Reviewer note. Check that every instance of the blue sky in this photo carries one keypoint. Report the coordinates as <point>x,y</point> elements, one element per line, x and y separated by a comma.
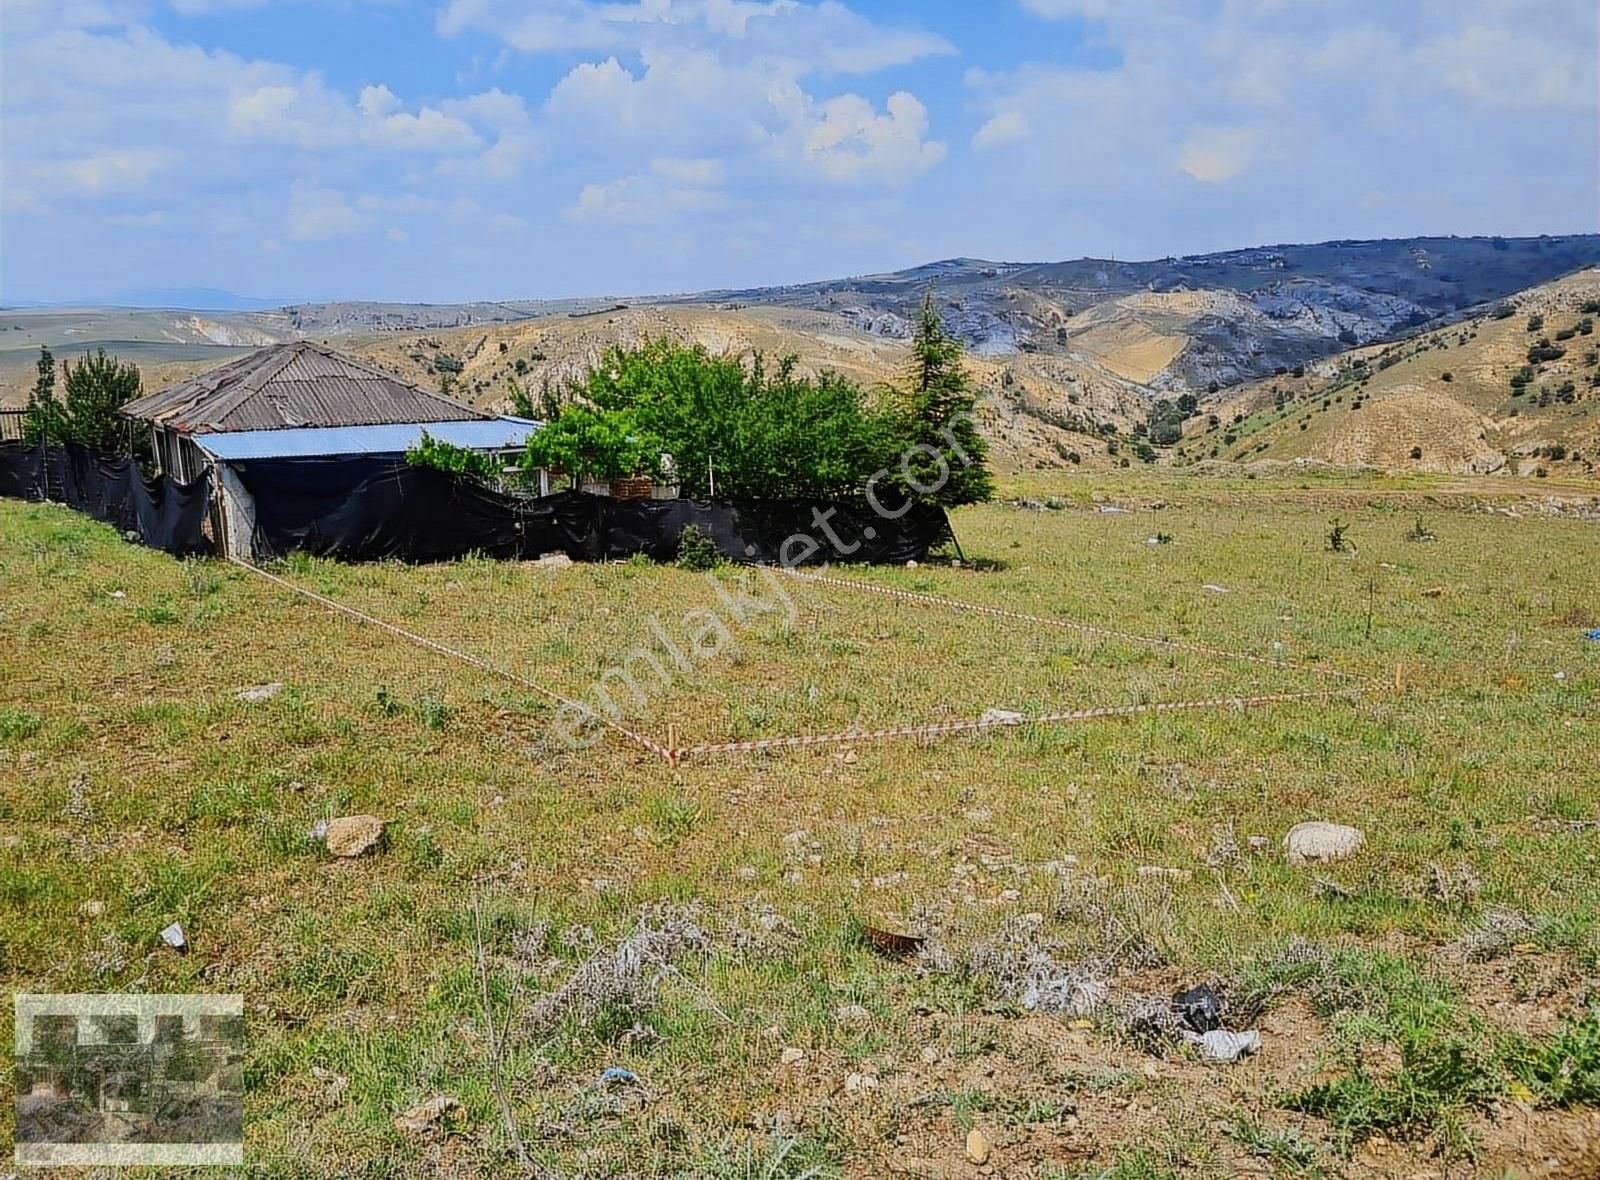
<point>459,149</point>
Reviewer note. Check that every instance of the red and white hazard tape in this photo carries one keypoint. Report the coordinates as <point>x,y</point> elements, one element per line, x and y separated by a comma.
<point>945,728</point>
<point>639,739</point>
<point>673,753</point>
<point>999,612</point>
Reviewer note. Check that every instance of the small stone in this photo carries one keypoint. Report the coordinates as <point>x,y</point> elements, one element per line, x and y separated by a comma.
<point>930,1054</point>
<point>261,692</point>
<point>978,1147</point>
<point>791,1055</point>
<point>852,1014</point>
<point>92,909</point>
<point>431,1117</point>
<point>119,594</point>
<point>1316,842</point>
<point>353,835</point>
<point>854,1083</point>
<point>554,561</point>
<point>1259,843</point>
<point>1213,588</point>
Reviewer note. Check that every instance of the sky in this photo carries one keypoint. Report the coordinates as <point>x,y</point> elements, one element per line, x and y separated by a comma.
<point>497,149</point>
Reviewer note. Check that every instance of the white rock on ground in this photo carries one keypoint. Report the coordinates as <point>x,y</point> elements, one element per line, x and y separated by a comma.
<point>1316,842</point>
<point>261,692</point>
<point>354,835</point>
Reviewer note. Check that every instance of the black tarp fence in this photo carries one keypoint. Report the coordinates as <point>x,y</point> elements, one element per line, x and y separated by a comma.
<point>369,508</point>
<point>160,511</point>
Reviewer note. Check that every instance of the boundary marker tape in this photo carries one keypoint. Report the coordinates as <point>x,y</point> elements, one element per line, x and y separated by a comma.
<point>639,739</point>
<point>673,753</point>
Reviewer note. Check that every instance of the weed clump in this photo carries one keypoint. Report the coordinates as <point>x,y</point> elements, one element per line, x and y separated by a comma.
<point>624,979</point>
<point>1497,932</point>
<point>696,550</point>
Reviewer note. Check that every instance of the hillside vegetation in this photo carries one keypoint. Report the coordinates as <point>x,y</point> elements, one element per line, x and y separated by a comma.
<point>1516,389</point>
<point>1069,357</point>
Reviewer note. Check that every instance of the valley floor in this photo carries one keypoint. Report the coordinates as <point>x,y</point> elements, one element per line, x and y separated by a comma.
<point>1426,1006</point>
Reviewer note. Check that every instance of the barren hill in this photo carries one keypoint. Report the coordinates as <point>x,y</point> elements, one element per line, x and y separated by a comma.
<point>1516,388</point>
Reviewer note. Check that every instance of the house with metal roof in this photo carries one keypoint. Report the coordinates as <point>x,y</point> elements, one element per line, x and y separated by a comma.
<point>301,400</point>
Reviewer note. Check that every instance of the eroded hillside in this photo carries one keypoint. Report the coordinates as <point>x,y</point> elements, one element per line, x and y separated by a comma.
<point>1515,389</point>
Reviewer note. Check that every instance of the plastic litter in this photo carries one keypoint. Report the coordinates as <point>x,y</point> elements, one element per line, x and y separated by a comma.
<point>616,1075</point>
<point>1199,1007</point>
<point>1221,1047</point>
<point>1592,636</point>
<point>173,937</point>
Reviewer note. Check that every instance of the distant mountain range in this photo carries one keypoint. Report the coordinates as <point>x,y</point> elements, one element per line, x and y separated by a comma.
<point>168,298</point>
<point>1067,354</point>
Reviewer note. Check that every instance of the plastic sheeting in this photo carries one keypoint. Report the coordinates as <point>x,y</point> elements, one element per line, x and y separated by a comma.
<point>161,512</point>
<point>363,509</point>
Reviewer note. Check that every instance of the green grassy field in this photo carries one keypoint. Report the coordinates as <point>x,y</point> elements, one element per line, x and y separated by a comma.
<point>1427,1005</point>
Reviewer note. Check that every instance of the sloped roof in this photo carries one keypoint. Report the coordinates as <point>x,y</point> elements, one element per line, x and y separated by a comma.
<point>295,385</point>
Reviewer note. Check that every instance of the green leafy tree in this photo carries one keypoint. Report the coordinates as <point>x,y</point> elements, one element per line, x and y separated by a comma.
<point>588,443</point>
<point>743,432</point>
<point>446,456</point>
<point>944,451</point>
<point>1166,423</point>
<point>98,387</point>
<point>45,419</point>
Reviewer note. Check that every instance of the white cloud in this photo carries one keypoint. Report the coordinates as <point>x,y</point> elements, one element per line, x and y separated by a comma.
<point>826,36</point>
<point>1216,154</point>
<point>1006,127</point>
<point>850,142</point>
<point>1303,119</point>
<point>644,199</point>
<point>702,173</point>
<point>616,200</point>
<point>377,101</point>
<point>319,214</point>
<point>122,171</point>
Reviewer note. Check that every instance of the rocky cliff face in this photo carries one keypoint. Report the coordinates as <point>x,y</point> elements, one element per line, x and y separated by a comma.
<point>1250,312</point>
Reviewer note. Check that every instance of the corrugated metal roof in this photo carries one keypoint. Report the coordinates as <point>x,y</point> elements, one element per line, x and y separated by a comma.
<point>290,386</point>
<point>392,439</point>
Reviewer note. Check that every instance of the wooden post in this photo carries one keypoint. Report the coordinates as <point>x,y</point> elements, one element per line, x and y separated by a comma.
<point>672,743</point>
